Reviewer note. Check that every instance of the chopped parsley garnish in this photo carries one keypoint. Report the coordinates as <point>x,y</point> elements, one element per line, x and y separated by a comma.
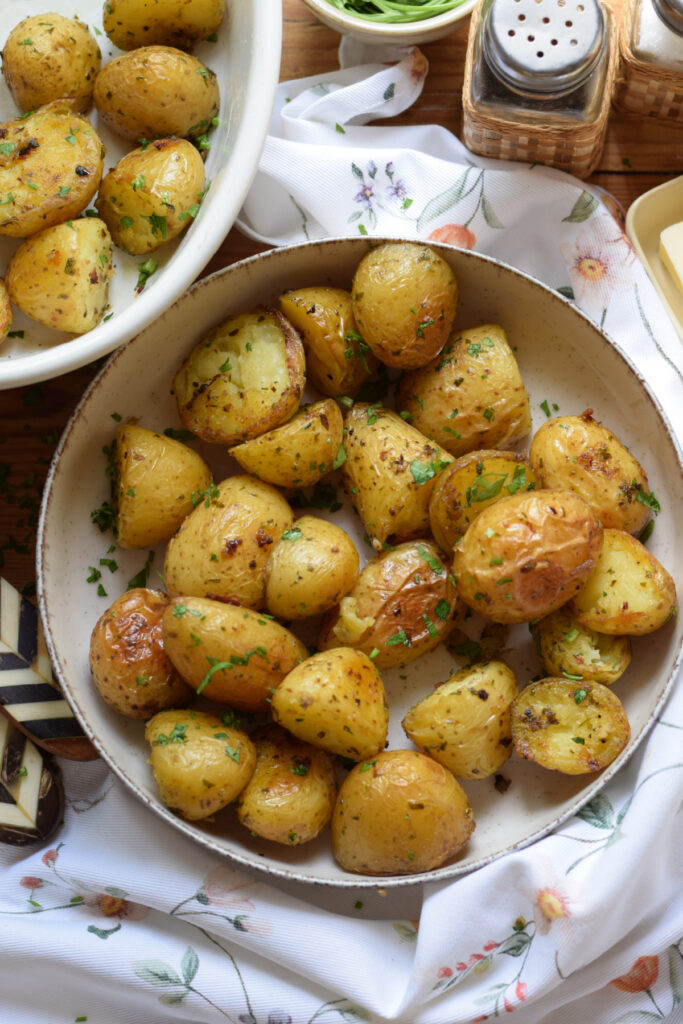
<point>433,563</point>
<point>176,735</point>
<point>546,408</point>
<point>443,609</point>
<point>294,533</point>
<point>140,579</point>
<point>340,457</point>
<point>399,638</point>
<point>422,472</point>
<point>146,269</point>
<point>644,498</point>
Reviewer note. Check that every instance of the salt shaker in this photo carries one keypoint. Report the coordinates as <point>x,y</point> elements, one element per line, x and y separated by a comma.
<point>650,76</point>
<point>538,81</point>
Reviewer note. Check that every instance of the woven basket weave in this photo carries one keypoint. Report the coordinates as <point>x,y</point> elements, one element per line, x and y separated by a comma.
<point>576,149</point>
<point>641,88</point>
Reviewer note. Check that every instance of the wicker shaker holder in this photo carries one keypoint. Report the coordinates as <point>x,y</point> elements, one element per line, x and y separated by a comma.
<point>576,149</point>
<point>642,88</point>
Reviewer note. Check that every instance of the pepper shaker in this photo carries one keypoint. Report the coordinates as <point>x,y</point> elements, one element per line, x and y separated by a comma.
<point>650,76</point>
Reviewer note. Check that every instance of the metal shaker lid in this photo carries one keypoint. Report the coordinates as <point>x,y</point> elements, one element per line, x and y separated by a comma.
<point>671,13</point>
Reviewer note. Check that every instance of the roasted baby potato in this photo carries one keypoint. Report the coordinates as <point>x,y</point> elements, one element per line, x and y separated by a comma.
<point>60,276</point>
<point>335,700</point>
<point>244,378</point>
<point>576,453</point>
<point>130,668</point>
<point>310,569</point>
<point>471,396</point>
<point>389,473</point>
<point>51,163</point>
<point>298,453</point>
<point>404,298</point>
<point>151,195</point>
<point>569,727</point>
<point>471,484</point>
<point>290,797</point>
<point>133,23</point>
<point>49,57</point>
<point>399,813</point>
<point>527,554</point>
<point>402,606</point>
<point>227,652</point>
<point>337,358</point>
<point>5,311</point>
<point>628,592</point>
<point>566,648</point>
<point>199,764</point>
<point>464,724</point>
<point>222,547</point>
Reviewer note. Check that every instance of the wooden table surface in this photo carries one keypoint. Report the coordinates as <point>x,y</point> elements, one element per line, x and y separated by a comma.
<point>637,156</point>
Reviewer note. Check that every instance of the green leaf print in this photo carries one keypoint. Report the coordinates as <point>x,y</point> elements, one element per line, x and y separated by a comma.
<point>103,933</point>
<point>598,812</point>
<point>489,215</point>
<point>172,998</point>
<point>675,974</point>
<point>355,170</point>
<point>405,931</point>
<point>189,965</point>
<point>638,1017</point>
<point>118,893</point>
<point>566,290</point>
<point>515,944</point>
<point>439,204</point>
<point>582,208</point>
<point>389,91</point>
<point>156,972</point>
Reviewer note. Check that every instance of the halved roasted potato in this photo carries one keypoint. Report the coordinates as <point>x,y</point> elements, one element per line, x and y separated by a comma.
<point>133,23</point>
<point>568,648</point>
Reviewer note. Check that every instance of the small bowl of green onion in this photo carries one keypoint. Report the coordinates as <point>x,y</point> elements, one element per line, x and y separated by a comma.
<point>402,22</point>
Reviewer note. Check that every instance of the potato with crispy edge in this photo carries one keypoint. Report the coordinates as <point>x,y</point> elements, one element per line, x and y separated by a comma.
<point>569,727</point>
<point>241,380</point>
<point>298,453</point>
<point>227,652</point>
<point>199,764</point>
<point>402,605</point>
<point>471,484</point>
<point>567,648</point>
<point>335,700</point>
<point>628,592</point>
<point>399,813</point>
<point>221,549</point>
<point>576,453</point>
<point>337,358</point>
<point>290,797</point>
<point>130,667</point>
<point>470,396</point>
<point>527,554</point>
<point>5,311</point>
<point>464,724</point>
<point>133,23</point>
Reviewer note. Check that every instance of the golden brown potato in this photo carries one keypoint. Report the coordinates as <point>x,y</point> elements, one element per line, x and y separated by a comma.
<point>527,554</point>
<point>227,652</point>
<point>404,298</point>
<point>389,473</point>
<point>402,606</point>
<point>221,549</point>
<point>5,311</point>
<point>133,23</point>
<point>156,91</point>
<point>464,724</point>
<point>399,813</point>
<point>310,569</point>
<point>51,163</point>
<point>60,276</point>
<point>152,194</point>
<point>335,700</point>
<point>471,396</point>
<point>244,378</point>
<point>290,797</point>
<point>569,727</point>
<point>337,358</point>
<point>130,668</point>
<point>566,648</point>
<point>576,453</point>
<point>471,484</point>
<point>298,453</point>
<point>158,482</point>
<point>199,764</point>
<point>628,592</point>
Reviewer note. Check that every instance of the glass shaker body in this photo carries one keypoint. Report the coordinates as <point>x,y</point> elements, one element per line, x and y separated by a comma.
<point>650,78</point>
<point>657,33</point>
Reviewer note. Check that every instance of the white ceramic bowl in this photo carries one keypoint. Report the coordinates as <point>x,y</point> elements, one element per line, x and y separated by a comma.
<point>396,33</point>
<point>564,360</point>
<point>246,58</point>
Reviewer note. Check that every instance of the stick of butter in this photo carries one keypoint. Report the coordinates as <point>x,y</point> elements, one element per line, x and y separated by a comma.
<point>671,252</point>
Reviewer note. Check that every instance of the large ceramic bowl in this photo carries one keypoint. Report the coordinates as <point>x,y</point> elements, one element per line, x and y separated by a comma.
<point>410,33</point>
<point>246,59</point>
<point>565,362</point>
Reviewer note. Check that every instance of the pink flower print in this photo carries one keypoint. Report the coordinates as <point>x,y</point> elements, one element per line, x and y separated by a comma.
<point>49,858</point>
<point>117,906</point>
<point>461,966</point>
<point>475,958</point>
<point>220,890</point>
<point>508,1005</point>
<point>521,990</point>
<point>454,234</point>
<point>490,945</point>
<point>444,972</point>
<point>29,882</point>
<point>601,263</point>
<point>641,977</point>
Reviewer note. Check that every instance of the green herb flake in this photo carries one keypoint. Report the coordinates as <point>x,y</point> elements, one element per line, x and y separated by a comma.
<point>399,638</point>
<point>433,563</point>
<point>546,408</point>
<point>646,499</point>
<point>294,533</point>
<point>443,609</point>
<point>578,739</point>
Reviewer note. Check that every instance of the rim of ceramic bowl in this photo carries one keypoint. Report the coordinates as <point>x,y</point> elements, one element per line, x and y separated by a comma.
<point>396,30</point>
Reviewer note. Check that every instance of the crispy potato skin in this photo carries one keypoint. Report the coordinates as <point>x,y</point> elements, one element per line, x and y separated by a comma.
<point>290,797</point>
<point>130,668</point>
<point>5,311</point>
<point>527,554</point>
<point>199,764</point>
<point>62,60</point>
<point>574,728</point>
<point>399,813</point>
<point>567,648</point>
<point>146,199</point>
<point>629,591</point>
<point>133,23</point>
<point>575,453</point>
<point>52,170</point>
<point>402,606</point>
<point>404,298</point>
<point>471,395</point>
<point>156,91</point>
<point>465,723</point>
